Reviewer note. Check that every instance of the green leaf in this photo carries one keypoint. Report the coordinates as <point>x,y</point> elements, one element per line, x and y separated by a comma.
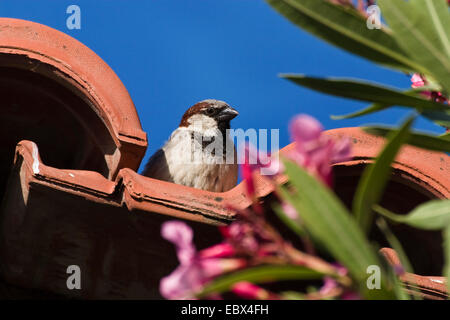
<point>438,117</point>
<point>399,289</point>
<point>346,29</point>
<point>260,274</point>
<point>397,246</point>
<point>376,175</point>
<point>421,140</point>
<point>437,12</point>
<point>421,28</point>
<point>446,273</point>
<point>375,107</point>
<point>329,223</point>
<point>429,86</point>
<point>365,91</point>
<point>432,215</point>
<point>445,136</point>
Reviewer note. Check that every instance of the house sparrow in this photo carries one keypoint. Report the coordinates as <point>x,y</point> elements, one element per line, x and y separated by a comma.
<point>199,152</point>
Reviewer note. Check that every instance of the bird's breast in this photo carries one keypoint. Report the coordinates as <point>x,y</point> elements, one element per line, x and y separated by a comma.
<point>201,161</point>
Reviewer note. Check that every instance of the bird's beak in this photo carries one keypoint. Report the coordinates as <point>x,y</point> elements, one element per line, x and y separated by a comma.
<point>227,114</point>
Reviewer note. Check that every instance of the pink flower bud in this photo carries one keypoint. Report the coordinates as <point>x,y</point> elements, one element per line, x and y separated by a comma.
<point>248,290</point>
<point>313,150</point>
<point>247,175</point>
<point>222,250</point>
<point>215,267</point>
<point>417,81</point>
<point>305,129</point>
<point>329,284</point>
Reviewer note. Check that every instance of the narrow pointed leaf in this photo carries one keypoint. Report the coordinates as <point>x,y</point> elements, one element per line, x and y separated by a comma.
<point>446,272</point>
<point>329,223</point>
<point>259,275</point>
<point>421,140</point>
<point>445,136</point>
<point>375,107</point>
<point>375,177</point>
<point>437,12</point>
<point>422,28</point>
<point>346,29</point>
<point>364,91</point>
<point>432,215</point>
<point>441,118</point>
<point>395,244</point>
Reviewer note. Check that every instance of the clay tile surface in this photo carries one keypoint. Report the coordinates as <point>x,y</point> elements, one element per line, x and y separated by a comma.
<point>58,217</point>
<point>423,170</point>
<point>433,288</point>
<point>49,80</point>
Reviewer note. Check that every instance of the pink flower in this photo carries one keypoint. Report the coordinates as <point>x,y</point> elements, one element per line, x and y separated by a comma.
<point>417,81</point>
<point>341,270</point>
<point>247,175</point>
<point>250,239</point>
<point>329,284</point>
<point>221,250</point>
<point>305,130</point>
<point>181,235</point>
<point>315,151</point>
<point>194,270</point>
<point>248,290</point>
<point>242,236</point>
<point>437,97</point>
<point>258,160</point>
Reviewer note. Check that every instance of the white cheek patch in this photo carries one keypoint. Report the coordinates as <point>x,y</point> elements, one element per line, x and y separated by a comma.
<point>205,124</point>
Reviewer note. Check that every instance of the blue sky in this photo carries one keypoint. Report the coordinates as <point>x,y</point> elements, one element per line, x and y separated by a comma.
<point>173,53</point>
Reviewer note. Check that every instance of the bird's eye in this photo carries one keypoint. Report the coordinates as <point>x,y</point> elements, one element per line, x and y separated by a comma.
<point>210,111</point>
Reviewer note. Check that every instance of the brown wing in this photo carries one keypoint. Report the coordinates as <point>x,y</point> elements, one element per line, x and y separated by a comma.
<point>157,167</point>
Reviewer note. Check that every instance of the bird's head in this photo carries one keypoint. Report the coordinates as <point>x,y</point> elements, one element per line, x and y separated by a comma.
<point>210,114</point>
